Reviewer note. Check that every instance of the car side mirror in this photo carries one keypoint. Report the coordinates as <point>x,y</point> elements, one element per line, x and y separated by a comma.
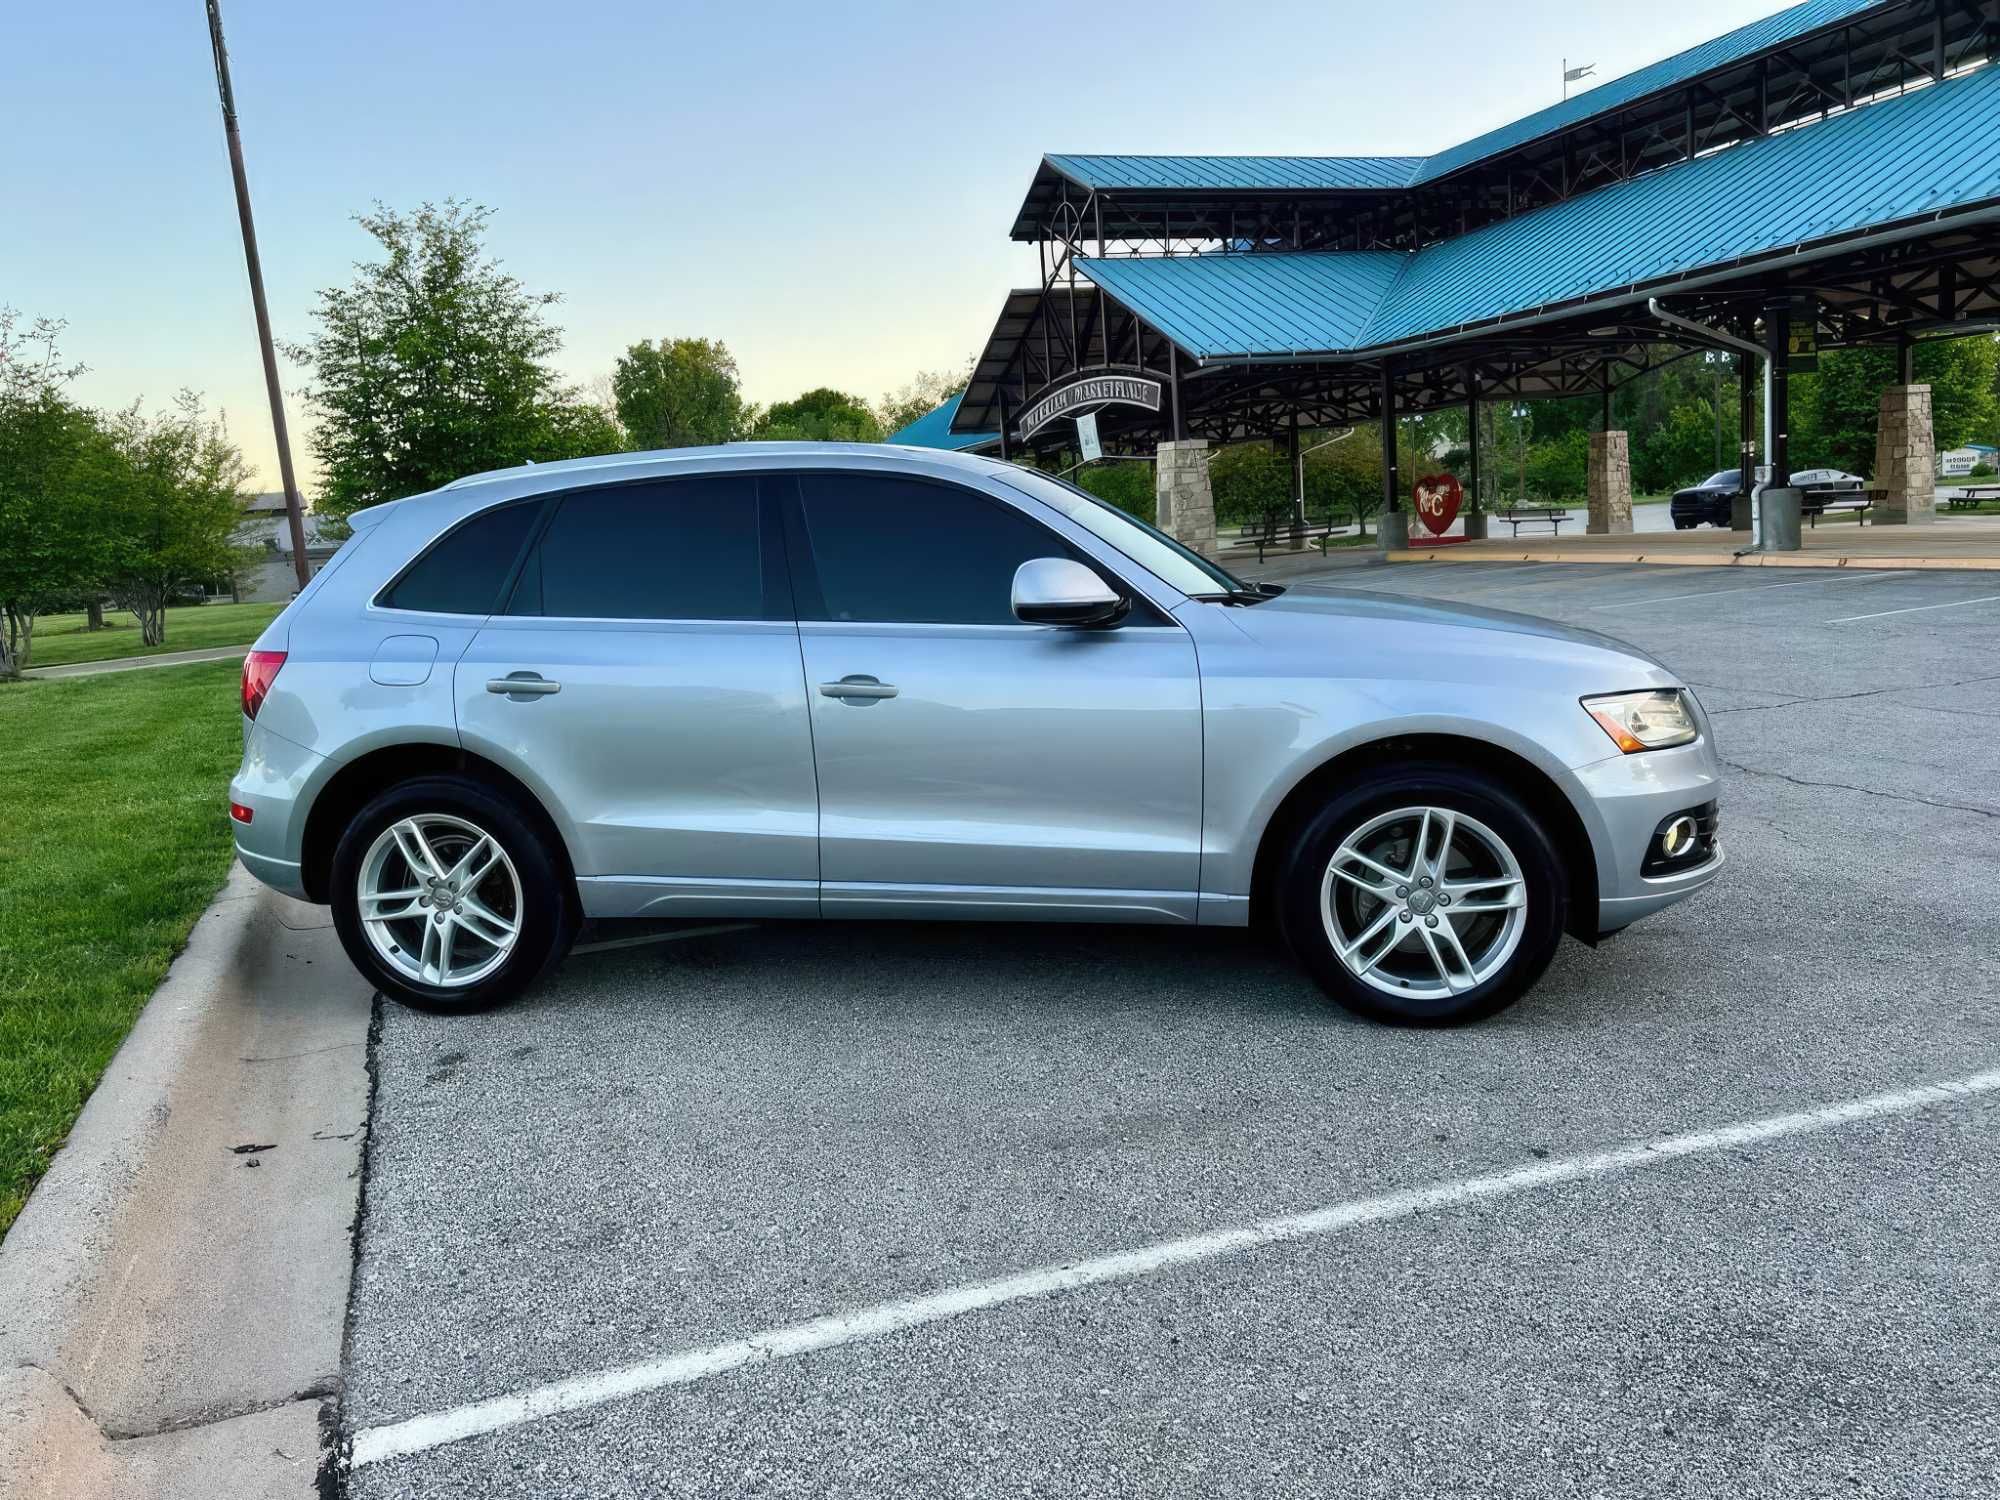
<point>1061,591</point>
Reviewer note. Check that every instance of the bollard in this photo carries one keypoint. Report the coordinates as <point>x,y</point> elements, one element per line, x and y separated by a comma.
<point>1779,513</point>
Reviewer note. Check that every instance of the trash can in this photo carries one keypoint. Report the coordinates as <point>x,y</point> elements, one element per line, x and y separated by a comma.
<point>1778,515</point>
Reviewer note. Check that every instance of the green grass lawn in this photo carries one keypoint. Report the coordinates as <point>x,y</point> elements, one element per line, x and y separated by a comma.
<point>62,639</point>
<point>114,838</point>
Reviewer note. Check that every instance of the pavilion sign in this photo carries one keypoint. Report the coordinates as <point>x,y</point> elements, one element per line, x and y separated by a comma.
<point>1091,390</point>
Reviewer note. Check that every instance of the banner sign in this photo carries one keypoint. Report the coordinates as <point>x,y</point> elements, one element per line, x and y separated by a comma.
<point>1092,390</point>
<point>1802,342</point>
<point>1438,498</point>
<point>1086,438</point>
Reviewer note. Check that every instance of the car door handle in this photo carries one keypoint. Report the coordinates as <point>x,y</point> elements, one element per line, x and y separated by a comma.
<point>859,688</point>
<point>521,686</point>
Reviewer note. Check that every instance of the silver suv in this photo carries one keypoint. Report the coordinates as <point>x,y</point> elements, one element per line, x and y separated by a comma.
<point>830,681</point>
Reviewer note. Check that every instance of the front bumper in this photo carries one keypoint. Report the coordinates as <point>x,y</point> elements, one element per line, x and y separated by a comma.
<point>1630,796</point>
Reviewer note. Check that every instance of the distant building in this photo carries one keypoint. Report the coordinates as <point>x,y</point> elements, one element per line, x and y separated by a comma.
<point>271,579</point>
<point>1960,462</point>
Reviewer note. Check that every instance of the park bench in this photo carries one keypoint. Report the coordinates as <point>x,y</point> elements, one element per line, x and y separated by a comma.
<point>1529,515</point>
<point>1815,503</point>
<point>1973,494</point>
<point>1276,530</point>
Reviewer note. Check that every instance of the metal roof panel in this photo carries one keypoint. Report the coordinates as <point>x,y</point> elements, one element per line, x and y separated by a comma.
<point>933,430</point>
<point>1264,304</point>
<point>1885,163</point>
<point>1257,174</point>
<point>1718,52</point>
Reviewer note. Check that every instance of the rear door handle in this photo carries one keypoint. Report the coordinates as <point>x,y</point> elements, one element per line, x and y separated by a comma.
<point>858,688</point>
<point>521,686</point>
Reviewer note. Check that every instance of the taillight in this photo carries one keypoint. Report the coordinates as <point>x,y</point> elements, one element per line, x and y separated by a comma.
<point>260,670</point>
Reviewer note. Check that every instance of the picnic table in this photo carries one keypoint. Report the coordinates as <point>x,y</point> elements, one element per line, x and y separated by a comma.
<point>1973,494</point>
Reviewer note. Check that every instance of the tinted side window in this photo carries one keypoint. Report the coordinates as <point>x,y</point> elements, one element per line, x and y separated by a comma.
<point>677,549</point>
<point>465,571</point>
<point>903,551</point>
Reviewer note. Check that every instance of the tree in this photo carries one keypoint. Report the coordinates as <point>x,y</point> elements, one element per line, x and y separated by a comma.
<point>1127,484</point>
<point>678,393</point>
<point>55,464</point>
<point>926,392</point>
<point>820,416</point>
<point>1834,411</point>
<point>1558,467</point>
<point>433,364</point>
<point>173,517</point>
<point>1680,451</point>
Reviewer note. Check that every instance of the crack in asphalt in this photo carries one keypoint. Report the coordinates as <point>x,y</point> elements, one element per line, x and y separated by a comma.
<point>1901,687</point>
<point>1865,791</point>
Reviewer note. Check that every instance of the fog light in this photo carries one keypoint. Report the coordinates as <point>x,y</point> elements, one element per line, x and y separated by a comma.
<point>1679,837</point>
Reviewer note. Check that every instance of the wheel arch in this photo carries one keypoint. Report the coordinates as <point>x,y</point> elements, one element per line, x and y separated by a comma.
<point>365,777</point>
<point>1522,776</point>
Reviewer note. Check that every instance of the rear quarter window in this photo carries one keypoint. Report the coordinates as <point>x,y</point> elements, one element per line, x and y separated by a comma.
<point>463,571</point>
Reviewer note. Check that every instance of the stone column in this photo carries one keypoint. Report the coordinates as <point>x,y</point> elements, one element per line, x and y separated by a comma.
<point>1610,482</point>
<point>1186,503</point>
<point>1905,487</point>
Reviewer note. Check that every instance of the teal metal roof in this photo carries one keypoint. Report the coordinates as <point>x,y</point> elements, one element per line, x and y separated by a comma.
<point>1928,152</point>
<point>1257,174</point>
<point>933,430</point>
<point>1255,304</point>
<point>1719,52</point>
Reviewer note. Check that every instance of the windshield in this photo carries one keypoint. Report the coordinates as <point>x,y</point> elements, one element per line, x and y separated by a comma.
<point>1728,478</point>
<point>1153,550</point>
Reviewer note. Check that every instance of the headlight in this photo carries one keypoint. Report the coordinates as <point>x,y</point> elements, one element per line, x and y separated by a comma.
<point>1644,721</point>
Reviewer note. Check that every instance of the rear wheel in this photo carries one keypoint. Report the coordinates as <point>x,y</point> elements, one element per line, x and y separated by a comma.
<point>1425,896</point>
<point>447,896</point>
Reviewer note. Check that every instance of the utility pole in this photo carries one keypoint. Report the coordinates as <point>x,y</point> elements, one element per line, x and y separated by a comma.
<point>294,510</point>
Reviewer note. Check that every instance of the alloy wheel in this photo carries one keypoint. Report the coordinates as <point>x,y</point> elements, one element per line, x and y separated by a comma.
<point>1423,903</point>
<point>440,900</point>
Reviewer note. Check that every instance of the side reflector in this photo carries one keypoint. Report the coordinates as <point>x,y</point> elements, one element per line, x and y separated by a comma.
<point>240,813</point>
<point>260,670</point>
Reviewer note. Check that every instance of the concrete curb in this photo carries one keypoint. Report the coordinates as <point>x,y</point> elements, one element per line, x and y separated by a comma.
<point>172,1305</point>
<point>1686,559</point>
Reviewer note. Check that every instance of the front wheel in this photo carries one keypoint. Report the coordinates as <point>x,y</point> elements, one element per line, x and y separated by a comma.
<point>447,895</point>
<point>1424,896</point>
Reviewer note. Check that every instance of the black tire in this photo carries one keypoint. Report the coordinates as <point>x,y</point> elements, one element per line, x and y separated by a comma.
<point>547,911</point>
<point>1680,525</point>
<point>1469,794</point>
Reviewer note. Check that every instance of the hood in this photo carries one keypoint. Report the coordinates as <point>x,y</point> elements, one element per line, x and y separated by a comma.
<point>1500,631</point>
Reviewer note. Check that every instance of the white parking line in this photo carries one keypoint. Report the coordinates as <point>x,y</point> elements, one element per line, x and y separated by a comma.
<point>1915,609</point>
<point>1759,588</point>
<point>417,1434</point>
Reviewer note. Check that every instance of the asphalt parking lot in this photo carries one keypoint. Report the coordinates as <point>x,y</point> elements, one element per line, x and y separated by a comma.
<point>585,1200</point>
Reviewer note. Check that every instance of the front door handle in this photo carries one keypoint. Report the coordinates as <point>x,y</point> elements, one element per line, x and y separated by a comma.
<point>519,687</point>
<point>858,688</point>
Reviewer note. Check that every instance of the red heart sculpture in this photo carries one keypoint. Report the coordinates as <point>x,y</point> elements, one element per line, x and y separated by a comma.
<point>1438,498</point>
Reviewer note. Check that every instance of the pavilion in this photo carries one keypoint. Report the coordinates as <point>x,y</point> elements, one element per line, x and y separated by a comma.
<point>1826,177</point>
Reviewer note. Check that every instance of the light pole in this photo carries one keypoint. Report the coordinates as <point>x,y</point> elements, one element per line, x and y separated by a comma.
<point>294,511</point>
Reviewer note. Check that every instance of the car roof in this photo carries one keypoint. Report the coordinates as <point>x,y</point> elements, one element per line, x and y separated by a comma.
<point>530,479</point>
<point>666,460</point>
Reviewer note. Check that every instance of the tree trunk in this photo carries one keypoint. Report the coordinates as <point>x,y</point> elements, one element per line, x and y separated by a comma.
<point>94,615</point>
<point>152,621</point>
<point>18,649</point>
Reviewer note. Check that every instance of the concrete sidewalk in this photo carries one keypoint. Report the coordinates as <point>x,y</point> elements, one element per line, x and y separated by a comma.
<point>1949,542</point>
<point>139,663</point>
<point>173,1297</point>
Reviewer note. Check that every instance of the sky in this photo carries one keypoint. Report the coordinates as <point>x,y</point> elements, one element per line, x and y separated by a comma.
<point>827,189</point>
